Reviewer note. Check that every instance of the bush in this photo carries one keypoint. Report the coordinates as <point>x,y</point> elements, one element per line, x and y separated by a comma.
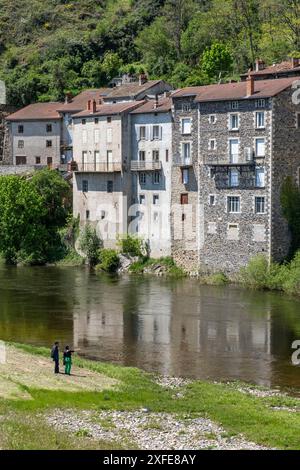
<point>89,244</point>
<point>217,279</point>
<point>291,281</point>
<point>256,274</point>
<point>131,245</point>
<point>109,260</point>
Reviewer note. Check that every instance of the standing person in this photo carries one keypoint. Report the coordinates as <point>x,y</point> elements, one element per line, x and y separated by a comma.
<point>68,360</point>
<point>55,356</point>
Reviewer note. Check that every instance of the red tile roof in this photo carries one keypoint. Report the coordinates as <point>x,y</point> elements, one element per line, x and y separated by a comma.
<point>78,103</point>
<point>131,90</point>
<point>164,105</point>
<point>35,112</point>
<point>233,91</point>
<point>284,66</point>
<point>110,109</point>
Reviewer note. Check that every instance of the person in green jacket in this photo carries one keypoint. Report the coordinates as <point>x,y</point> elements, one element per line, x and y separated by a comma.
<point>68,360</point>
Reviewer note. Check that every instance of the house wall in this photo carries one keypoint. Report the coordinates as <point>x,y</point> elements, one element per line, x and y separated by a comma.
<point>154,223</point>
<point>35,137</point>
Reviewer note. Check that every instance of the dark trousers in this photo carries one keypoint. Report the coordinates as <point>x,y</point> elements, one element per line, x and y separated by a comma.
<point>56,368</point>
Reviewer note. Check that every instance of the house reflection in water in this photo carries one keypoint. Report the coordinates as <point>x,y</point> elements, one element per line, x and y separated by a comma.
<point>177,328</point>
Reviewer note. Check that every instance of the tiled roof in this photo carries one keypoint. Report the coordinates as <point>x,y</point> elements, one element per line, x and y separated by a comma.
<point>78,102</point>
<point>284,66</point>
<point>36,111</point>
<point>164,105</point>
<point>233,91</point>
<point>131,90</point>
<point>110,109</point>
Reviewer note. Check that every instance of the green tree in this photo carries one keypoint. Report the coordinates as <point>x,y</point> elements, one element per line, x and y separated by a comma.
<point>217,61</point>
<point>89,244</point>
<point>290,203</point>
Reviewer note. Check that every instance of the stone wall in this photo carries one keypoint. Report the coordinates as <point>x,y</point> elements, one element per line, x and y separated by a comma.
<point>5,143</point>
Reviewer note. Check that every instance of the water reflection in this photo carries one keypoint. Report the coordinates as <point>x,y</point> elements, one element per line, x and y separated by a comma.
<point>174,327</point>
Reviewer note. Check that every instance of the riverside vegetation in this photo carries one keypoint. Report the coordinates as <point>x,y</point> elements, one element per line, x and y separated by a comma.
<point>105,406</point>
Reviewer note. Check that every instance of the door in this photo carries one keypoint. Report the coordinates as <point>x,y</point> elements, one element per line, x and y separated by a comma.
<point>49,162</point>
<point>234,151</point>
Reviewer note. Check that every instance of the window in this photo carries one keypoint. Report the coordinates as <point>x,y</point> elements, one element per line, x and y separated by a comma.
<point>49,127</point>
<point>142,155</point>
<point>20,129</point>
<point>185,175</point>
<point>96,136</point>
<point>110,186</point>
<point>234,105</point>
<point>233,122</point>
<point>20,144</point>
<point>37,160</point>
<point>259,233</point>
<point>142,199</point>
<point>167,155</point>
<point>260,177</point>
<point>212,144</point>
<point>260,147</point>
<point>186,108</point>
<point>212,118</point>
<point>212,200</point>
<point>108,119</point>
<point>234,148</point>
<point>21,160</point>
<point>109,135</point>
<point>96,120</point>
<point>233,178</point>
<point>84,137</point>
<point>186,126</point>
<point>184,199</point>
<point>260,119</point>
<point>260,103</point>
<point>83,122</point>
<point>155,155</point>
<point>186,151</point>
<point>85,186</point>
<point>259,205</point>
<point>48,143</point>
<point>155,199</point>
<point>142,178</point>
<point>212,228</point>
<point>156,177</point>
<point>156,132</point>
<point>232,232</point>
<point>155,216</point>
<point>142,133</point>
<point>87,215</point>
<point>233,204</point>
<point>96,156</point>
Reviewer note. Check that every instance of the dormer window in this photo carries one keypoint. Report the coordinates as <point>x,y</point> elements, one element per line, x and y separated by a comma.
<point>261,103</point>
<point>234,105</point>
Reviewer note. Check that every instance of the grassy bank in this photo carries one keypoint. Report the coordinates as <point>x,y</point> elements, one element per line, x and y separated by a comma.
<point>266,420</point>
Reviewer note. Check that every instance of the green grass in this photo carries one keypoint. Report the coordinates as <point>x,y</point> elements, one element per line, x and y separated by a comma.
<point>237,412</point>
<point>72,258</point>
<point>171,269</point>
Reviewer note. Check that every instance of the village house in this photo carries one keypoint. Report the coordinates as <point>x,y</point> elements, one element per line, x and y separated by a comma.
<point>244,141</point>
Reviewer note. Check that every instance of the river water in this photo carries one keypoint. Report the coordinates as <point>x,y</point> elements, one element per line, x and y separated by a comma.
<point>175,327</point>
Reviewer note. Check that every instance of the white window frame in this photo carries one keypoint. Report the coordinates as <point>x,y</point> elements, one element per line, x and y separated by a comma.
<point>183,144</point>
<point>234,105</point>
<point>255,198</point>
<point>237,174</point>
<point>214,116</point>
<point>227,204</point>
<point>260,103</point>
<point>182,125</point>
<point>185,171</point>
<point>142,197</point>
<point>209,202</point>
<point>230,121</point>
<point>157,155</point>
<point>159,136</point>
<point>145,134</point>
<point>256,114</point>
<point>264,176</point>
<point>21,144</point>
<point>265,143</point>
<point>159,176</point>
<point>139,155</point>
<point>229,148</point>
<point>142,178</point>
<point>210,141</point>
<point>155,198</point>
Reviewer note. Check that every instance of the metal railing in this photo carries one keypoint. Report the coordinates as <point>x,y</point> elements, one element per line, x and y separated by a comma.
<point>138,165</point>
<point>179,160</point>
<point>100,167</point>
<point>229,160</point>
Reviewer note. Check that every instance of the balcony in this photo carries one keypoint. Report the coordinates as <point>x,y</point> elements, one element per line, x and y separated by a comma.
<point>182,161</point>
<point>99,167</point>
<point>226,161</point>
<point>138,165</point>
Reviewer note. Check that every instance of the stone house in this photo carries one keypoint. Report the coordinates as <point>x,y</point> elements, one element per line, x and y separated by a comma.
<point>151,161</point>
<point>137,90</point>
<point>245,138</point>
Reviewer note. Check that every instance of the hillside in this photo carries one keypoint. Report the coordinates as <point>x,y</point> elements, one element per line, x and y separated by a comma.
<point>48,47</point>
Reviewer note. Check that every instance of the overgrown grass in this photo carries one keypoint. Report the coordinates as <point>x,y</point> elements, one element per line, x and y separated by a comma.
<point>150,265</point>
<point>72,258</point>
<point>237,412</point>
<point>216,279</point>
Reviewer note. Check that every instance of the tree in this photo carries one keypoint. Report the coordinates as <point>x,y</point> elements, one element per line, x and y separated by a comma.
<point>89,244</point>
<point>217,61</point>
<point>290,203</point>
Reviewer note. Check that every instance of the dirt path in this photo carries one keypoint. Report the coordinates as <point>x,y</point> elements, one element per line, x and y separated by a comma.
<point>23,369</point>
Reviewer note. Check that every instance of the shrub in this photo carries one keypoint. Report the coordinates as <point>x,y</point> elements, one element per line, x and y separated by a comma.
<point>109,261</point>
<point>217,279</point>
<point>131,245</point>
<point>256,274</point>
<point>89,244</point>
<point>291,281</point>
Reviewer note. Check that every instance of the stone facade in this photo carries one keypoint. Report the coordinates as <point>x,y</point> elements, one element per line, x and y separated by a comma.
<point>5,147</point>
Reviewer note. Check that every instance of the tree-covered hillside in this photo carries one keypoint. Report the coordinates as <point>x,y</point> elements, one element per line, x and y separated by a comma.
<point>48,47</point>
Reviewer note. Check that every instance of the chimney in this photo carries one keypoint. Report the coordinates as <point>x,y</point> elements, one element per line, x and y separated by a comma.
<point>250,85</point>
<point>259,65</point>
<point>94,106</point>
<point>142,79</point>
<point>156,102</point>
<point>68,97</point>
<point>295,62</point>
<point>89,105</point>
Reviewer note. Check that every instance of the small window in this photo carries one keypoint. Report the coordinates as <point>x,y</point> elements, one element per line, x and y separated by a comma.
<point>167,155</point>
<point>184,199</point>
<point>20,129</point>
<point>186,126</point>
<point>20,144</point>
<point>37,160</point>
<point>96,120</point>
<point>260,205</point>
<point>212,118</point>
<point>142,178</point>
<point>48,143</point>
<point>49,127</point>
<point>156,177</point>
<point>260,120</point>
<point>83,121</point>
<point>261,103</point>
<point>212,144</point>
<point>85,186</point>
<point>110,186</point>
<point>185,175</point>
<point>186,108</point>
<point>232,232</point>
<point>260,177</point>
<point>233,204</point>
<point>212,200</point>
<point>155,155</point>
<point>142,155</point>
<point>186,151</point>
<point>155,199</point>
<point>260,147</point>
<point>87,215</point>
<point>142,199</point>
<point>156,132</point>
<point>234,105</point>
<point>108,119</point>
<point>21,160</point>
<point>142,132</point>
<point>234,122</point>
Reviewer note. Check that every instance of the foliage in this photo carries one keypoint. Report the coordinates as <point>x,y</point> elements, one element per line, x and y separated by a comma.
<point>108,261</point>
<point>150,265</point>
<point>217,279</point>
<point>131,245</point>
<point>290,203</point>
<point>217,61</point>
<point>89,244</point>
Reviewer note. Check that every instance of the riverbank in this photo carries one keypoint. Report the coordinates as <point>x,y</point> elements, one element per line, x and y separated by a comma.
<point>104,406</point>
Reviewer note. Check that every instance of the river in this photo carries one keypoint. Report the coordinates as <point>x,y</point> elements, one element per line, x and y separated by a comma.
<point>175,327</point>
